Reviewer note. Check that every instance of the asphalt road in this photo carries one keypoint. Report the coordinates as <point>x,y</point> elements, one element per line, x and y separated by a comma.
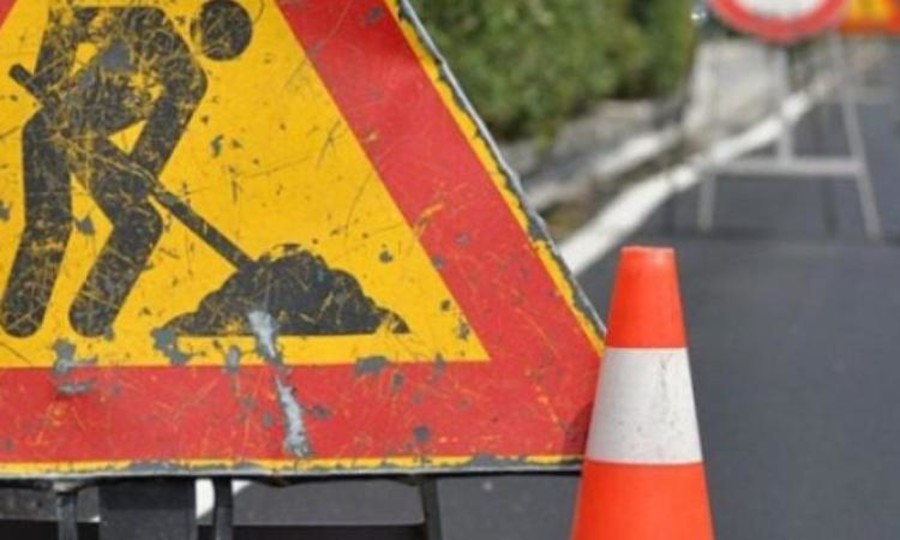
<point>794,321</point>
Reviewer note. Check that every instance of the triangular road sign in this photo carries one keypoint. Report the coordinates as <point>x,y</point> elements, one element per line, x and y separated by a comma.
<point>267,236</point>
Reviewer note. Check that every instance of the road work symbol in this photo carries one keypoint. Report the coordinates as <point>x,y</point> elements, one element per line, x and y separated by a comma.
<point>267,236</point>
<point>143,72</point>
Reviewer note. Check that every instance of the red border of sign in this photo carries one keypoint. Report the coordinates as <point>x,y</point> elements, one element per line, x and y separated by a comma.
<point>532,398</point>
<point>827,16</point>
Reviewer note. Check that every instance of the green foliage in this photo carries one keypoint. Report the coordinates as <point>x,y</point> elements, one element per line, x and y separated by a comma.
<point>668,39</point>
<point>528,65</point>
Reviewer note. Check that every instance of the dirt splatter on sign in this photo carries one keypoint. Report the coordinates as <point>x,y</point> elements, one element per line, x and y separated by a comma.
<point>267,236</point>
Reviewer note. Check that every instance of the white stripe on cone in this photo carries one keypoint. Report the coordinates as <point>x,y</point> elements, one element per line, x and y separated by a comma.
<point>644,412</point>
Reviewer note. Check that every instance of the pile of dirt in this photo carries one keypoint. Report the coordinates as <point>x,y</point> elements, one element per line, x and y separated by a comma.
<point>299,291</point>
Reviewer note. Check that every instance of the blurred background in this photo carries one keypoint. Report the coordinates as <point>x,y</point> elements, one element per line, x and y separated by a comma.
<point>530,66</point>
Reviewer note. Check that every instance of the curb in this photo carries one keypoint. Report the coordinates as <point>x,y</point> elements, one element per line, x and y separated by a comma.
<point>634,205</point>
<point>602,147</point>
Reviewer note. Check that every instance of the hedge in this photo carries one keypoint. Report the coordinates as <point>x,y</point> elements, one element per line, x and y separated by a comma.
<point>529,65</point>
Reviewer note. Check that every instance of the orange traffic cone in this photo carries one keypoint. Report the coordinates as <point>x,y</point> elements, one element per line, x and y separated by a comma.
<point>643,476</point>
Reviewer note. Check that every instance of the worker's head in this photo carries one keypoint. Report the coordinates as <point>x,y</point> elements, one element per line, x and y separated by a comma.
<point>222,29</point>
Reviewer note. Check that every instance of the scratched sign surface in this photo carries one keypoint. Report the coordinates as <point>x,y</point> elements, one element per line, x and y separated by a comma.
<point>266,236</point>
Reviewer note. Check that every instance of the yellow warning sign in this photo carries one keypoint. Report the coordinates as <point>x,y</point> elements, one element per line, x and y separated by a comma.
<point>158,190</point>
<point>872,16</point>
<point>267,237</point>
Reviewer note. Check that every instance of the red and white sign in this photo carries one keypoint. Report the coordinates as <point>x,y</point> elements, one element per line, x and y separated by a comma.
<point>781,21</point>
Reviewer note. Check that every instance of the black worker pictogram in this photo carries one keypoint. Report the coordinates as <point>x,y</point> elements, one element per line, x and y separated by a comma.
<point>143,71</point>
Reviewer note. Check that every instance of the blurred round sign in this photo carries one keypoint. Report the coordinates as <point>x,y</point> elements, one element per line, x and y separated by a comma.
<point>781,21</point>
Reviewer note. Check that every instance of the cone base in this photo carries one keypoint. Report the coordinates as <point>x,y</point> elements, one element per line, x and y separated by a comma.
<point>642,502</point>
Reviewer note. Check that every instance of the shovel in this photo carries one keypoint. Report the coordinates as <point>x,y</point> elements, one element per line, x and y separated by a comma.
<point>368,315</point>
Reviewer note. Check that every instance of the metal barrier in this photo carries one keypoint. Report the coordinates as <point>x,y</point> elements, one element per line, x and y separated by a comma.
<point>165,508</point>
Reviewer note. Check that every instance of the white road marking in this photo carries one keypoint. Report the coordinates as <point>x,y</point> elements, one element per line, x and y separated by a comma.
<point>631,209</point>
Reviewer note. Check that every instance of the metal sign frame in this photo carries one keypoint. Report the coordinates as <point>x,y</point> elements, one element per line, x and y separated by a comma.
<point>787,164</point>
<point>164,508</point>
